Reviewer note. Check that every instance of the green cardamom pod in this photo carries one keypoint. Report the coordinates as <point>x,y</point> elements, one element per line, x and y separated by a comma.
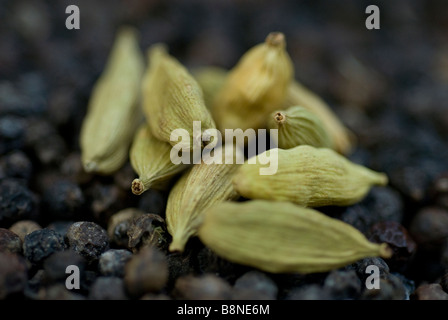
<point>298,126</point>
<point>255,87</point>
<point>173,100</point>
<point>114,111</point>
<point>280,237</point>
<point>150,159</point>
<point>308,176</point>
<point>299,95</point>
<point>210,79</point>
<point>202,186</point>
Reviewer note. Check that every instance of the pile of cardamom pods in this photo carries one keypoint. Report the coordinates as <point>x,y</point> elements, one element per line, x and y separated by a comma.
<point>263,221</point>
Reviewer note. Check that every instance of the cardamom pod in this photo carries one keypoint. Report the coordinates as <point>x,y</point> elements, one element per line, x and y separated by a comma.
<point>172,99</point>
<point>150,159</point>
<point>255,87</point>
<point>210,79</point>
<point>308,176</point>
<point>298,126</point>
<point>280,237</point>
<point>343,138</point>
<point>113,111</point>
<point>202,186</point>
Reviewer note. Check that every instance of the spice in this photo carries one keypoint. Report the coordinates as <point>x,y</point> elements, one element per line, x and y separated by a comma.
<point>113,112</point>
<point>172,100</point>
<point>113,261</point>
<point>281,237</point>
<point>146,271</point>
<point>108,288</point>
<point>147,230</point>
<point>55,266</point>
<point>88,239</point>
<point>203,287</point>
<point>18,202</point>
<point>202,186</point>
<point>298,95</point>
<point>308,176</point>
<point>298,126</point>
<point>13,274</point>
<point>210,79</point>
<point>10,242</point>
<point>118,226</point>
<point>255,87</point>
<point>24,227</point>
<point>150,158</point>
<point>41,244</point>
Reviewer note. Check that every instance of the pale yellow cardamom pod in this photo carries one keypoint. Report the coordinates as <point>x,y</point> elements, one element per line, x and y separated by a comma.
<point>298,126</point>
<point>210,79</point>
<point>172,99</point>
<point>255,87</point>
<point>281,237</point>
<point>150,159</point>
<point>114,111</point>
<point>343,138</point>
<point>307,176</point>
<point>202,186</point>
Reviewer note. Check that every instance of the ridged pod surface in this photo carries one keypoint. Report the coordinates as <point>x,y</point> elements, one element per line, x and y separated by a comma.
<point>255,87</point>
<point>114,111</point>
<point>150,159</point>
<point>281,237</point>
<point>308,176</point>
<point>172,99</point>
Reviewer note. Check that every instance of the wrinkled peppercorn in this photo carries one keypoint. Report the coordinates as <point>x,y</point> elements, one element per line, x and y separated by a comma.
<point>254,285</point>
<point>203,287</point>
<point>147,230</point>
<point>342,284</point>
<point>24,227</point>
<point>108,288</point>
<point>10,242</point>
<point>146,271</point>
<point>391,288</point>
<point>113,261</point>
<point>56,265</point>
<point>63,199</point>
<point>398,239</point>
<point>429,227</point>
<point>18,202</point>
<point>309,292</point>
<point>431,291</point>
<point>13,274</point>
<point>88,239</point>
<point>40,244</point>
<point>16,165</point>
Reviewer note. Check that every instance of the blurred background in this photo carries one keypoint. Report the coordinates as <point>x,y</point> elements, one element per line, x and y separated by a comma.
<point>390,86</point>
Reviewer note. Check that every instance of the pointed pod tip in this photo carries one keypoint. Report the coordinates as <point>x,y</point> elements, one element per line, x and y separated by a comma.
<point>275,39</point>
<point>385,251</point>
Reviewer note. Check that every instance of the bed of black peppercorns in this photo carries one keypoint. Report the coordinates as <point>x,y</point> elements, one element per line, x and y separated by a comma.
<point>390,86</point>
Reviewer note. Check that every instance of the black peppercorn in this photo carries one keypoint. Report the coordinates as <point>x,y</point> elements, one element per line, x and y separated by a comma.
<point>343,284</point>
<point>429,228</point>
<point>13,274</point>
<point>16,165</point>
<point>108,288</point>
<point>18,202</point>
<point>146,271</point>
<point>88,239</point>
<point>431,291</point>
<point>308,292</point>
<point>119,224</point>
<point>254,285</point>
<point>40,244</point>
<point>391,287</point>
<point>55,266</point>
<point>63,199</point>
<point>398,239</point>
<point>113,261</point>
<point>203,287</point>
